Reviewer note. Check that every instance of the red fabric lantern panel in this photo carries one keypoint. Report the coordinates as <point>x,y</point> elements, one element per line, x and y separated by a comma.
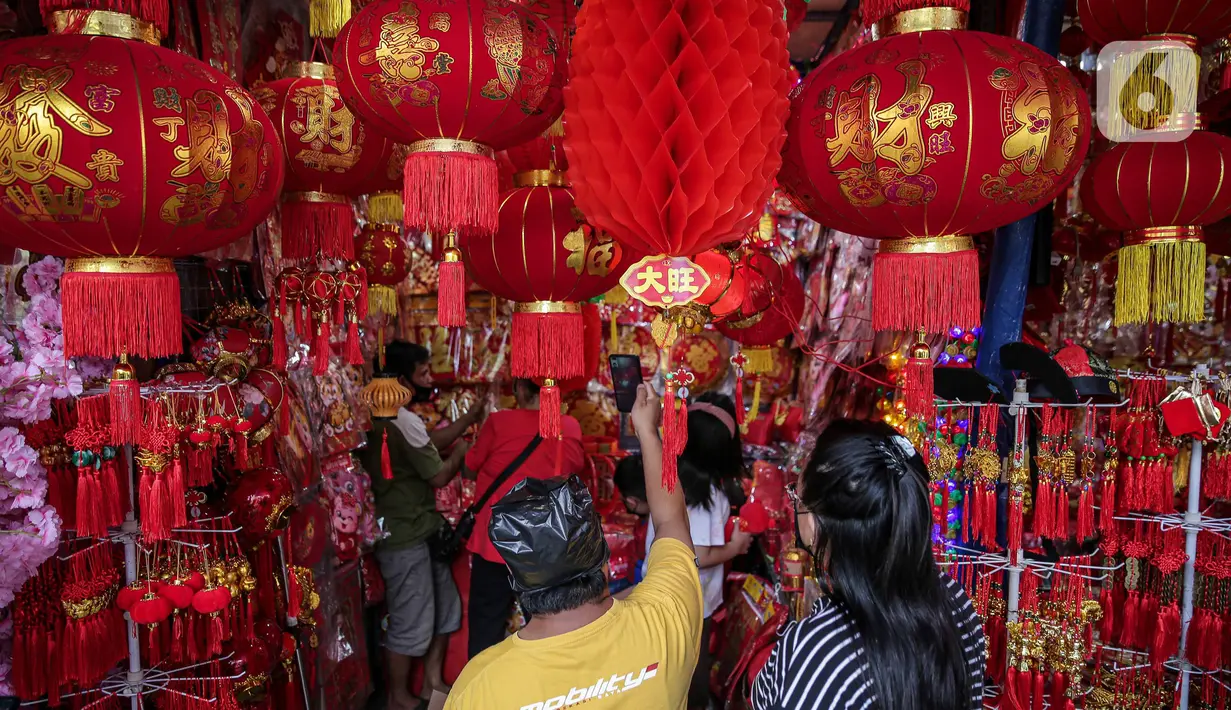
<point>120,155</point>
<point>673,149</point>
<point>560,16</point>
<point>328,154</point>
<point>457,80</point>
<point>925,138</point>
<point>777,322</point>
<point>1111,20</point>
<point>547,259</point>
<point>1175,189</point>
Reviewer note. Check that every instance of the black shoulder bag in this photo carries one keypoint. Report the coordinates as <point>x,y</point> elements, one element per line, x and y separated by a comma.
<point>448,540</point>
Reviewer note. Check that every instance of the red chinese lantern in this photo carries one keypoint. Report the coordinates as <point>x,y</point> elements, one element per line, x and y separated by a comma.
<point>328,154</point>
<point>1112,20</point>
<point>457,81</point>
<point>759,334</point>
<point>560,16</point>
<point>925,137</point>
<point>549,260</point>
<point>120,155</point>
<point>385,258</point>
<point>673,151</point>
<point>1176,189</point>
<point>383,190</point>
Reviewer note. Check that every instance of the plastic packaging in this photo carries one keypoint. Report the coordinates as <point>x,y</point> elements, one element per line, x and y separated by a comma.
<point>548,532</point>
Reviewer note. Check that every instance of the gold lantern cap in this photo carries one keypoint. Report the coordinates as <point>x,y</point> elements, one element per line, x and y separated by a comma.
<point>310,70</point>
<point>103,23</point>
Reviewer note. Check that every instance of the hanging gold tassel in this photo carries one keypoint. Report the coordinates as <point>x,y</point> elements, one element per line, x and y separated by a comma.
<point>327,17</point>
<point>760,360</point>
<point>613,343</point>
<point>385,208</point>
<point>755,410</point>
<point>1161,277</point>
<point>382,299</point>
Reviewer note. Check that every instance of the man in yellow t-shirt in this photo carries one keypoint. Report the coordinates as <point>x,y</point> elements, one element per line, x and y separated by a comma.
<point>580,645</point>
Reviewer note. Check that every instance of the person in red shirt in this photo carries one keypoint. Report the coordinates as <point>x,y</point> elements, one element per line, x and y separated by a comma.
<point>503,438</point>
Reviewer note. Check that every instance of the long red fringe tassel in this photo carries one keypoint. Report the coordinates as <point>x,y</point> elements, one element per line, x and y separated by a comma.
<point>675,437</point>
<point>1166,636</point>
<point>549,412</point>
<point>446,192</point>
<point>547,345</point>
<point>386,464</point>
<point>1014,532</point>
<point>91,514</point>
<point>930,292</point>
<point>312,230</point>
<point>451,295</point>
<point>321,349</point>
<point>106,314</point>
<point>113,492</point>
<point>919,389</point>
<point>1037,693</point>
<point>124,402</point>
<point>1085,513</point>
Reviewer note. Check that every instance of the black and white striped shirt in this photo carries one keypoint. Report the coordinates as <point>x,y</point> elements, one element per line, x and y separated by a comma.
<point>818,662</point>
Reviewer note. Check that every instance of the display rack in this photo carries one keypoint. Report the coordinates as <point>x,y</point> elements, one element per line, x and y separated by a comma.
<point>136,681</point>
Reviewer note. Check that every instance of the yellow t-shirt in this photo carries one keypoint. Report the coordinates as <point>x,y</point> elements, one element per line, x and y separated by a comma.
<point>639,655</point>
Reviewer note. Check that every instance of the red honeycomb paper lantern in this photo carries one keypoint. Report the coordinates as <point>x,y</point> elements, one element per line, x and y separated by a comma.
<point>1112,20</point>
<point>120,155</point>
<point>673,150</point>
<point>924,138</point>
<point>457,81</point>
<point>328,152</point>
<point>1176,188</point>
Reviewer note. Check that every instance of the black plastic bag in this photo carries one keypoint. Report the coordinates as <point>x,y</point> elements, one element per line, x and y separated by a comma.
<point>548,532</point>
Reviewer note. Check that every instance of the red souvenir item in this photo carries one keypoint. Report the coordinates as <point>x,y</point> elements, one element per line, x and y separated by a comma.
<point>560,16</point>
<point>385,258</point>
<point>1177,188</point>
<point>1111,20</point>
<point>123,155</point>
<point>229,353</point>
<point>758,335</point>
<point>457,81</point>
<point>328,154</point>
<point>674,150</point>
<point>924,138</point>
<point>262,501</point>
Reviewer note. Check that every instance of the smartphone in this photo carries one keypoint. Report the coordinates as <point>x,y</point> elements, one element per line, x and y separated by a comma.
<point>625,377</point>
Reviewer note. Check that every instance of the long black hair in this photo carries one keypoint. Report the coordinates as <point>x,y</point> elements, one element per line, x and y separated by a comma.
<point>713,457</point>
<point>867,489</point>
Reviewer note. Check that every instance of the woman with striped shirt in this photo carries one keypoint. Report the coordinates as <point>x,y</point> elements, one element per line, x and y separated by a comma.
<point>891,632</point>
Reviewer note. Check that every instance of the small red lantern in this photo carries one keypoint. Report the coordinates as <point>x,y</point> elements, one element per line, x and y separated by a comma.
<point>328,154</point>
<point>925,137</point>
<point>122,155</point>
<point>261,502</point>
<point>549,260</point>
<point>457,81</point>
<point>1177,188</point>
<point>385,258</point>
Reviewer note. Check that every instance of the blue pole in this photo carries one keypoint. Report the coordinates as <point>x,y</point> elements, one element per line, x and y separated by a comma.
<point>1009,273</point>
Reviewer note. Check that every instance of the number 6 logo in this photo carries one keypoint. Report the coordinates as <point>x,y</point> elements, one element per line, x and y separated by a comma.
<point>1147,91</point>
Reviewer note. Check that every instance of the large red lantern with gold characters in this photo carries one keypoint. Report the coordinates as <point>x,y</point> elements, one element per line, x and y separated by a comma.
<point>1176,188</point>
<point>328,152</point>
<point>456,81</point>
<point>121,155</point>
<point>925,137</point>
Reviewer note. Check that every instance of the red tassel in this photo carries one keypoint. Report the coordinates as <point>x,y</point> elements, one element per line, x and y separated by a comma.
<point>1108,623</point>
<point>740,415</point>
<point>1058,687</point>
<point>155,516</point>
<point>315,230</point>
<point>112,496</point>
<point>1011,689</point>
<point>386,465</point>
<point>1211,650</point>
<point>106,314</point>
<point>1023,689</point>
<point>1128,627</point>
<point>279,344</point>
<point>1166,636</point>
<point>354,355</point>
<point>321,349</point>
<point>175,494</point>
<point>215,634</point>
<point>1044,508</point>
<point>1060,519</point>
<point>451,298</point>
<point>177,637</point>
<point>1107,511</point>
<point>919,389</point>
<point>239,445</point>
<point>294,597</point>
<point>124,400</point>
<point>1195,649</point>
<point>1085,514</point>
<point>942,290</point>
<point>545,344</point>
<point>675,437</point>
<point>549,411</point>
<point>1014,532</point>
<point>90,522</point>
<point>456,192</point>
<point>1037,693</point>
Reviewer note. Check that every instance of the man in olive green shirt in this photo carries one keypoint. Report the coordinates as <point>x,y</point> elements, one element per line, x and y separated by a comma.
<point>424,607</point>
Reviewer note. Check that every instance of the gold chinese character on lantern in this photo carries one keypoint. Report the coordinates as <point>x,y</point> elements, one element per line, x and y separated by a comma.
<point>588,252</point>
<point>663,281</point>
<point>327,129</point>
